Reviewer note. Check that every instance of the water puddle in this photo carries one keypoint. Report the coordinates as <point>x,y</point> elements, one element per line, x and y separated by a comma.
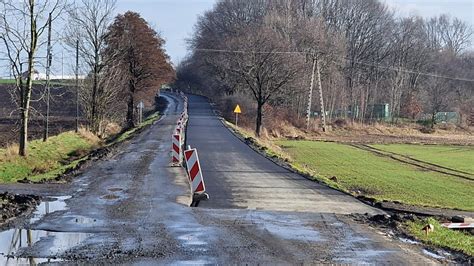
<point>193,262</point>
<point>110,197</point>
<point>116,193</point>
<point>408,241</point>
<point>432,254</point>
<point>48,206</point>
<point>192,239</point>
<point>16,243</point>
<point>287,228</point>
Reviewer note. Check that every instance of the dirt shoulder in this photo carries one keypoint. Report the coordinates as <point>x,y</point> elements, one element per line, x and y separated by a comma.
<point>13,206</point>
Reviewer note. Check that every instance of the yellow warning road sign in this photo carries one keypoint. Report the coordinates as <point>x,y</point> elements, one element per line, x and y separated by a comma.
<point>237,109</point>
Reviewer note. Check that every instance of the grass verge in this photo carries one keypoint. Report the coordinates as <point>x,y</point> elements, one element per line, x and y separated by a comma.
<point>51,159</point>
<point>363,173</point>
<point>460,158</point>
<point>43,157</point>
<point>442,237</point>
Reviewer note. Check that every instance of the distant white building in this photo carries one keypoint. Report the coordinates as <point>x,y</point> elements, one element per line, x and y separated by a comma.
<point>42,76</point>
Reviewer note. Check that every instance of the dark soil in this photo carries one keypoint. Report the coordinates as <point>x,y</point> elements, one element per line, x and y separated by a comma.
<point>392,225</point>
<point>62,113</point>
<point>12,206</point>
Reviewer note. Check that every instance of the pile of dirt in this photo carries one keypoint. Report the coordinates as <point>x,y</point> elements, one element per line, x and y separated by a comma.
<point>12,206</point>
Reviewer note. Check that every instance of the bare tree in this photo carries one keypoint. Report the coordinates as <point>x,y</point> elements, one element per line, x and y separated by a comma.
<point>21,31</point>
<point>263,68</point>
<point>88,23</point>
<point>449,34</point>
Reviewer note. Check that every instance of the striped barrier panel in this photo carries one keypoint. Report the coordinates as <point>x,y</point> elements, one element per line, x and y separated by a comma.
<point>194,171</point>
<point>458,225</point>
<point>176,155</point>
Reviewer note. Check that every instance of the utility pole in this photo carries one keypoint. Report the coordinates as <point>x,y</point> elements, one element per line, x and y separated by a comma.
<point>321,100</point>
<point>48,69</point>
<point>77,85</point>
<point>308,110</point>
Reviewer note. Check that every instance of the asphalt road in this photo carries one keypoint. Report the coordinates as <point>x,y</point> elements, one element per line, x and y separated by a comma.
<point>132,208</point>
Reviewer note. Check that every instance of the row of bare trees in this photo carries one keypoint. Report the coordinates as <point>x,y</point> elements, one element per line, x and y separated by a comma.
<point>122,56</point>
<point>357,53</point>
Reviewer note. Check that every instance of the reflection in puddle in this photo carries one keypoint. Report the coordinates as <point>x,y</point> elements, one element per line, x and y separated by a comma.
<point>193,262</point>
<point>13,242</point>
<point>47,207</point>
<point>16,242</point>
<point>433,255</point>
<point>110,197</point>
<point>408,241</point>
<point>288,228</point>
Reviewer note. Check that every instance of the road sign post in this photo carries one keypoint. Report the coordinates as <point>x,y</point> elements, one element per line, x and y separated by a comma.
<point>140,107</point>
<point>237,111</point>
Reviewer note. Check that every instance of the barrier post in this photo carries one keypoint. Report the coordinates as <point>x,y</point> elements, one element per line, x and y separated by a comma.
<point>193,166</point>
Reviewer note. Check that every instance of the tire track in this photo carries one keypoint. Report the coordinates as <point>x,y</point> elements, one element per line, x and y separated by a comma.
<point>415,162</point>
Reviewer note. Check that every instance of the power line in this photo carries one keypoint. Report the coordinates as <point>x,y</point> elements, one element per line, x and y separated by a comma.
<point>409,71</point>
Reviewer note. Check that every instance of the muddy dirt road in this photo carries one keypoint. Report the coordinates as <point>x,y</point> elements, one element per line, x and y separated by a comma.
<point>133,208</point>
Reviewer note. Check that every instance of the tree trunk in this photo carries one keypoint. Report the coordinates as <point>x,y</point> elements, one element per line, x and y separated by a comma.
<point>93,121</point>
<point>258,125</point>
<point>433,119</point>
<point>23,132</point>
<point>131,106</point>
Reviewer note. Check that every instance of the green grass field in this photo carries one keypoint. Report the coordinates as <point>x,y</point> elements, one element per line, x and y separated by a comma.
<point>40,82</point>
<point>443,237</point>
<point>44,158</point>
<point>455,157</point>
<point>7,81</point>
<point>362,172</point>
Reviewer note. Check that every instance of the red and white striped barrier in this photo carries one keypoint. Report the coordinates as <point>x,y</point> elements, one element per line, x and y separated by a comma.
<point>458,225</point>
<point>176,155</point>
<point>194,171</point>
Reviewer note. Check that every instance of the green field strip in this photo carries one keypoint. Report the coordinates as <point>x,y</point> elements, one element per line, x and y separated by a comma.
<point>365,173</point>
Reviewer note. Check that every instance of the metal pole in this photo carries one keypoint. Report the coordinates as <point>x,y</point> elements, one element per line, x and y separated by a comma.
<point>48,69</point>
<point>77,86</point>
<point>308,110</point>
<point>321,99</point>
<point>236,119</point>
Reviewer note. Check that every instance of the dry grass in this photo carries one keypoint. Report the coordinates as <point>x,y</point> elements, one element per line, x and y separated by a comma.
<point>112,129</point>
<point>89,136</point>
<point>9,153</point>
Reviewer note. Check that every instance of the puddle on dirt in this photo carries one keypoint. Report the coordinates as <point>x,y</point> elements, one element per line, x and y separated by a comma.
<point>408,241</point>
<point>14,242</point>
<point>361,256</point>
<point>192,239</point>
<point>110,197</point>
<point>193,262</point>
<point>115,189</point>
<point>288,228</point>
<point>49,206</point>
<point>432,254</point>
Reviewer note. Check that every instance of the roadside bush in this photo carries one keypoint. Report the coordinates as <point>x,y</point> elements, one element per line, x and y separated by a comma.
<point>226,106</point>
